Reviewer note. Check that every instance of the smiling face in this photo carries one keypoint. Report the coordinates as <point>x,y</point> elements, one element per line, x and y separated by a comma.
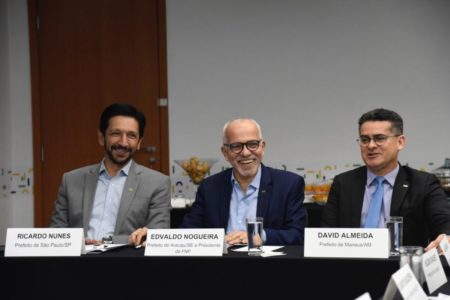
<point>245,163</point>
<point>380,159</point>
<point>120,142</point>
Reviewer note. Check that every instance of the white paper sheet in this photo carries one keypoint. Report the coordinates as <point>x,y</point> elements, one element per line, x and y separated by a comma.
<point>102,248</point>
<point>265,248</point>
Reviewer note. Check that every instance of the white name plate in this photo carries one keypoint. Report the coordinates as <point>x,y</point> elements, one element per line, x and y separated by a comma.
<point>433,270</point>
<point>405,281</point>
<point>44,242</point>
<point>445,247</point>
<point>184,242</point>
<point>347,242</point>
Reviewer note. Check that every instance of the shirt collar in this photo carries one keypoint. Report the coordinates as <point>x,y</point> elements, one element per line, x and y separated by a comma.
<point>255,182</point>
<point>389,177</point>
<point>124,171</point>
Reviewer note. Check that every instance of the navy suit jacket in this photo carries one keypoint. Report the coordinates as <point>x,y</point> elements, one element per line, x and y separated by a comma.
<point>417,197</point>
<point>280,203</point>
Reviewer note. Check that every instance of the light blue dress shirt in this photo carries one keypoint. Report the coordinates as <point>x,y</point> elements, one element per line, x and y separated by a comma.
<point>371,185</point>
<point>243,205</point>
<point>106,202</point>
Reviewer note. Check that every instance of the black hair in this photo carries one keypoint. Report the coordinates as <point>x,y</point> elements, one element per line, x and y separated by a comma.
<point>381,114</point>
<point>121,109</point>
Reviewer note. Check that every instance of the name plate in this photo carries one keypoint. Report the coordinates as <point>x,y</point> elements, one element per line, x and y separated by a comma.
<point>347,242</point>
<point>185,242</point>
<point>433,270</point>
<point>405,281</point>
<point>445,247</point>
<point>44,242</point>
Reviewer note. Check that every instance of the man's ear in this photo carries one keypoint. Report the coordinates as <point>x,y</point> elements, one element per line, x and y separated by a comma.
<point>101,138</point>
<point>401,142</point>
<point>224,152</point>
<point>138,147</point>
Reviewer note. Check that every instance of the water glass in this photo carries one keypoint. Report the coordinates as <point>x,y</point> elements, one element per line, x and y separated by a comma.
<point>254,235</point>
<point>394,224</point>
<point>412,255</point>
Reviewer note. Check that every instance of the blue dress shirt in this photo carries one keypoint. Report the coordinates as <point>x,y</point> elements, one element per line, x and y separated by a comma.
<point>106,202</point>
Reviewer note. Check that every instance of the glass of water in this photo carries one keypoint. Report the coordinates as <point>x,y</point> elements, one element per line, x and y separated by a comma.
<point>394,224</point>
<point>254,235</point>
<point>412,256</point>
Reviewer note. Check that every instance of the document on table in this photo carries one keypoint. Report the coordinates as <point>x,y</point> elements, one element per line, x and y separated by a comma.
<point>102,248</point>
<point>265,248</point>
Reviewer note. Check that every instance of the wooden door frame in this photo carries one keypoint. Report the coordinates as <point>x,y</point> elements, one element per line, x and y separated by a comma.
<point>36,103</point>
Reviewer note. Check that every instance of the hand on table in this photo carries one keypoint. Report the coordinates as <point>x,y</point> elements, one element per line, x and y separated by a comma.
<point>138,236</point>
<point>236,237</point>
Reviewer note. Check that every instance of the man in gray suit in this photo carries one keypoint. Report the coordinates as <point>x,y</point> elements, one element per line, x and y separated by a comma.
<point>112,199</point>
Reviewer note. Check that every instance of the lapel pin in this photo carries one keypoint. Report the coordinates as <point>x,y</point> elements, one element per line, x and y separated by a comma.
<point>130,189</point>
<point>405,185</point>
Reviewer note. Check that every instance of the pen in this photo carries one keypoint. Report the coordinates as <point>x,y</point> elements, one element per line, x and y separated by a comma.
<point>138,246</point>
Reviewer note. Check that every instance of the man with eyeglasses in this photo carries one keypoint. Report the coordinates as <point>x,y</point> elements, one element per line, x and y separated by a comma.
<point>249,189</point>
<point>416,196</point>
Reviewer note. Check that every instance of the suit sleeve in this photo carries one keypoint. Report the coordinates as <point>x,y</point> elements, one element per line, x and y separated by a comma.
<point>158,212</point>
<point>437,207</point>
<point>195,217</point>
<point>292,230</point>
<point>160,207</point>
<point>59,216</point>
<point>331,210</point>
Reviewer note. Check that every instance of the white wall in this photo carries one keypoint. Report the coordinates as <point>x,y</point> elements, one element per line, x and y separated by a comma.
<point>306,70</point>
<point>16,200</point>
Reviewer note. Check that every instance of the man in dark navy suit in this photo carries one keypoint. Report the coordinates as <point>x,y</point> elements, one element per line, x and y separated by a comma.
<point>412,194</point>
<point>249,189</point>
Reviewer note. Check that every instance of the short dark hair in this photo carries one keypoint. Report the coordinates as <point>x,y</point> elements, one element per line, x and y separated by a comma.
<point>121,109</point>
<point>381,114</point>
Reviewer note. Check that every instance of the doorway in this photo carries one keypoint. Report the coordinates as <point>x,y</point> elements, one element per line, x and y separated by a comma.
<point>85,55</point>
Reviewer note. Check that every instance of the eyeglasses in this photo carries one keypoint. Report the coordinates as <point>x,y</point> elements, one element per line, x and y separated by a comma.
<point>379,139</point>
<point>237,148</point>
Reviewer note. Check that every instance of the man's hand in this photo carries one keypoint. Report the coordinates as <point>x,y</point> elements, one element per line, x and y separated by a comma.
<point>236,237</point>
<point>435,243</point>
<point>92,242</point>
<point>138,237</point>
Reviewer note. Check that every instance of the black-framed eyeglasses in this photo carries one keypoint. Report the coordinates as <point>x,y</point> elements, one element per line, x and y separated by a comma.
<point>237,148</point>
<point>378,139</point>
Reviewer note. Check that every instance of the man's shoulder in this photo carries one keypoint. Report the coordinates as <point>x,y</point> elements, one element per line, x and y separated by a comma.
<point>415,174</point>
<point>278,173</point>
<point>147,172</point>
<point>280,177</point>
<point>83,170</point>
<point>356,172</point>
<point>218,177</point>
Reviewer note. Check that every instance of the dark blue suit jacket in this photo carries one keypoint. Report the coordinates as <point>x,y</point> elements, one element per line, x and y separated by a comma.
<point>417,197</point>
<point>280,203</point>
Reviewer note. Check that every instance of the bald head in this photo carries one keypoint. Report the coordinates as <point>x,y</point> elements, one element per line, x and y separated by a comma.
<point>238,124</point>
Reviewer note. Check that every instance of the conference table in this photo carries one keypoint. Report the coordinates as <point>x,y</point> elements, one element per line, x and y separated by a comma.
<point>126,272</point>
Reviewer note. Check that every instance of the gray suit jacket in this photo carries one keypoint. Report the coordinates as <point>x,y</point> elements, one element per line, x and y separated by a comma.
<point>145,201</point>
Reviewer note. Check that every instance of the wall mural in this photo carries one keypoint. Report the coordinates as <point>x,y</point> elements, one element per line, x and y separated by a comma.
<point>186,174</point>
<point>15,182</point>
